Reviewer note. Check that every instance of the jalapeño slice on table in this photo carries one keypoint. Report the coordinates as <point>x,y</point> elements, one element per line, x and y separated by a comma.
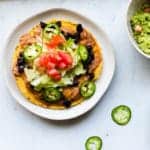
<point>52,95</point>
<point>50,30</point>
<point>87,89</point>
<point>31,52</point>
<point>121,114</point>
<point>94,143</point>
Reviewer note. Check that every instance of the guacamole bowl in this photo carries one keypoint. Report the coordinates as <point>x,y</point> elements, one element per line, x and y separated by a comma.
<point>133,7</point>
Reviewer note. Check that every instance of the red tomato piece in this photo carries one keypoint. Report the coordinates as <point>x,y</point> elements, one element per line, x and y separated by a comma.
<point>66,58</point>
<point>62,65</point>
<point>50,65</point>
<point>43,61</point>
<point>54,74</point>
<point>55,41</point>
<point>57,77</point>
<point>48,60</point>
<point>59,59</point>
<point>52,58</point>
<point>50,46</point>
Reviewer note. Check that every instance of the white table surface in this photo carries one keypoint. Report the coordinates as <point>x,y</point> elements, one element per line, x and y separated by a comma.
<point>21,130</point>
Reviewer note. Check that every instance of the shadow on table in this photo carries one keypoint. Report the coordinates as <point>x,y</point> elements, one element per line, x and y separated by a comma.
<point>70,122</point>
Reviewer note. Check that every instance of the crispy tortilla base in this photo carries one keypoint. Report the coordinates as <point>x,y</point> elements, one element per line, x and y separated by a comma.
<point>32,96</point>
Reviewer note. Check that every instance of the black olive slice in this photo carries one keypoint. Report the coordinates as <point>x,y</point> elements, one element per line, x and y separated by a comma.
<point>79,28</point>
<point>58,23</point>
<point>21,69</point>
<point>43,24</point>
<point>67,103</point>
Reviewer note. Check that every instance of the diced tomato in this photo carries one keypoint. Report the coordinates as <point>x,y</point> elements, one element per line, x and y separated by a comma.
<point>50,46</point>
<point>59,59</point>
<point>43,61</point>
<point>52,58</point>
<point>50,65</point>
<point>57,77</point>
<point>54,74</point>
<point>53,61</point>
<point>55,41</point>
<point>46,59</point>
<point>62,65</point>
<point>66,58</point>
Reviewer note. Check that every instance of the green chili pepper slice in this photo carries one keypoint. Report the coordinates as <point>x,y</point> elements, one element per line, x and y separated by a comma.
<point>87,89</point>
<point>52,95</point>
<point>94,143</point>
<point>83,52</point>
<point>50,30</point>
<point>121,114</point>
<point>31,52</point>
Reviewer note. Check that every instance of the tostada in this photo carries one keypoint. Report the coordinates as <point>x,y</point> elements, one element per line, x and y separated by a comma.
<point>56,64</point>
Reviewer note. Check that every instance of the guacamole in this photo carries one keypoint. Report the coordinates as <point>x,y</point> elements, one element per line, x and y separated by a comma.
<point>140,24</point>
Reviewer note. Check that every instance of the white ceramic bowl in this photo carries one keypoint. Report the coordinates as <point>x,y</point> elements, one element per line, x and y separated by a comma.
<point>102,84</point>
<point>133,6</point>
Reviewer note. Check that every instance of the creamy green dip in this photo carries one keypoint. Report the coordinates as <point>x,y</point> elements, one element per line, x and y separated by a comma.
<point>140,24</point>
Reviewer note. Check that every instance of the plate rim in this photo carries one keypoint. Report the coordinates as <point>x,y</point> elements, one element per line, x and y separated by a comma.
<point>32,110</point>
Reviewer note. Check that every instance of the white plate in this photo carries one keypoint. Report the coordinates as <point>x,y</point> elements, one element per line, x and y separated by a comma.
<point>102,83</point>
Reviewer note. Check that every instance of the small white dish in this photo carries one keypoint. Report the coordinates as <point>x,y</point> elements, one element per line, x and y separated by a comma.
<point>133,6</point>
<point>102,83</point>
